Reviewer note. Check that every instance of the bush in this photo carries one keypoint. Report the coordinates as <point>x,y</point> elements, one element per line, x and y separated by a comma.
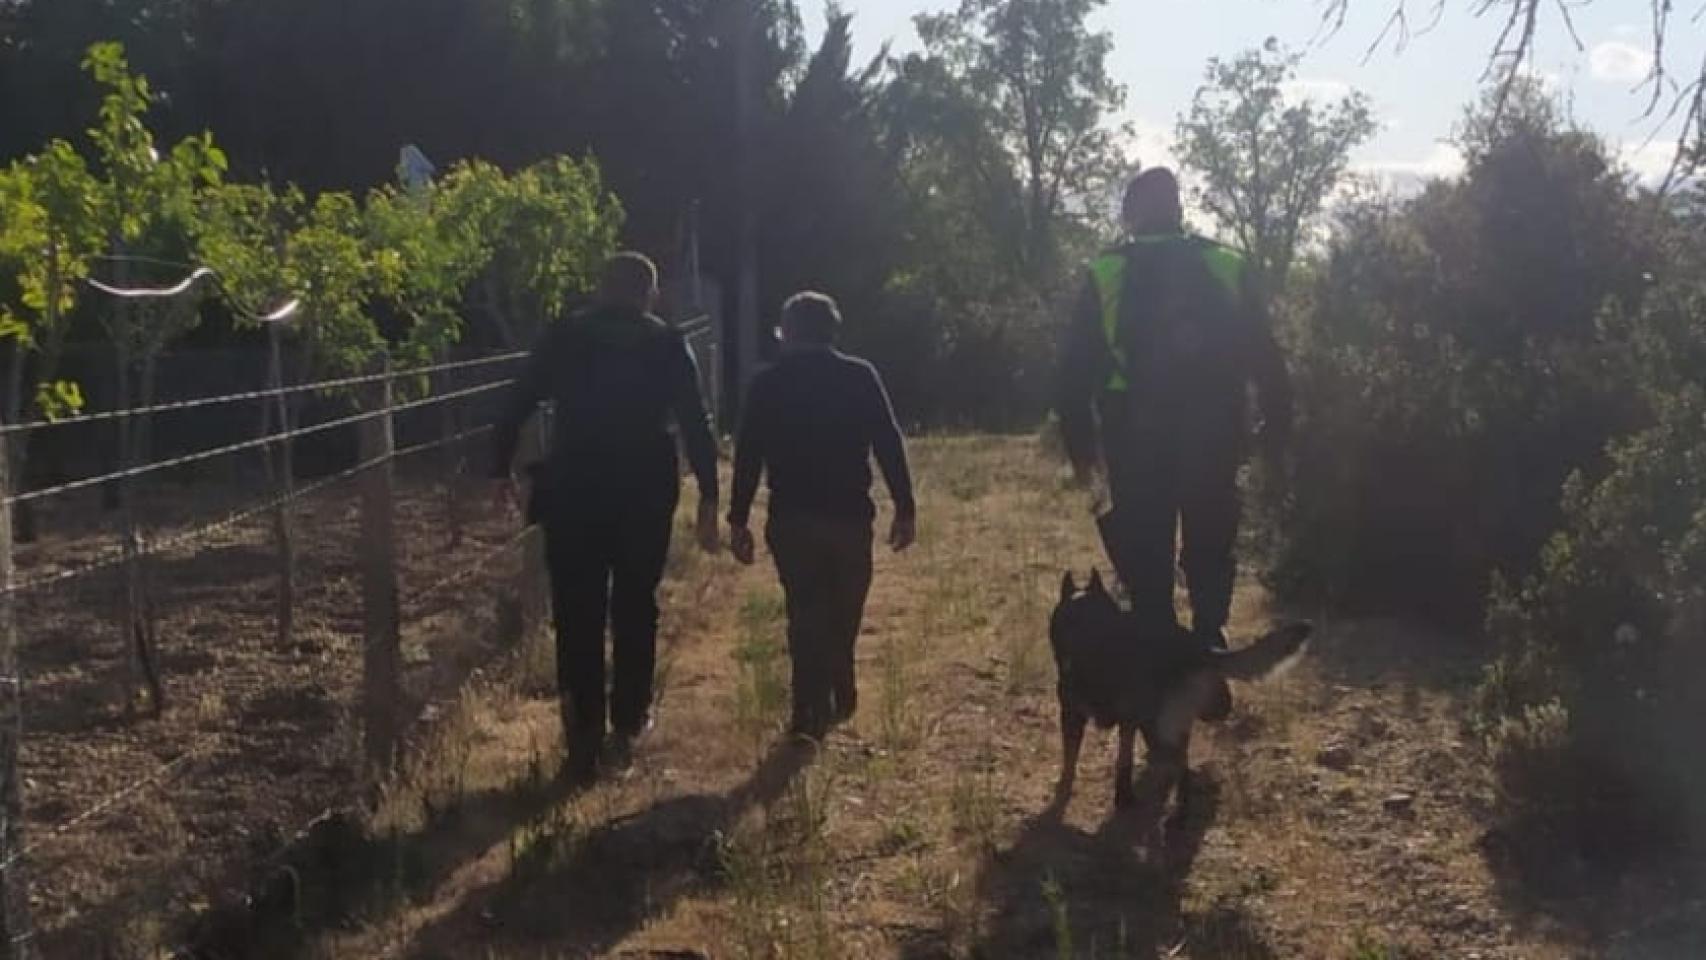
<point>1612,627</point>
<point>1452,372</point>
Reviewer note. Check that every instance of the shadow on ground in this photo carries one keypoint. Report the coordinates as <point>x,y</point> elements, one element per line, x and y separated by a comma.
<point>603,885</point>
<point>335,874</point>
<point>1116,893</point>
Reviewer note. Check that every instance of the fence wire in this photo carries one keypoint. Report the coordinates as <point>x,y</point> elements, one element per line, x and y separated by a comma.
<point>91,602</point>
<point>132,473</point>
<point>319,386</point>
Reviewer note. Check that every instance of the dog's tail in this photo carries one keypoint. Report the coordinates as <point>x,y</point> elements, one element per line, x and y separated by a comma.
<point>1266,655</point>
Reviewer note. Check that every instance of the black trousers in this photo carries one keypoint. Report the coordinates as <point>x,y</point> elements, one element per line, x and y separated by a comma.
<point>825,566</point>
<point>1163,496</point>
<point>606,557</point>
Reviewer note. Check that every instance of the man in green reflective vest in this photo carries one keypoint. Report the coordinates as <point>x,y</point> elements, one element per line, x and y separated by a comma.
<point>1166,340</point>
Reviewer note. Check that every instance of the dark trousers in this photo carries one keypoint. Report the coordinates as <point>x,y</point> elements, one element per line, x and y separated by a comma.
<point>825,566</point>
<point>606,556</point>
<point>1160,498</point>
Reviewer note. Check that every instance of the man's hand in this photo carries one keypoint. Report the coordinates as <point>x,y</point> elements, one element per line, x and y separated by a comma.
<point>710,538</point>
<point>742,545</point>
<point>903,532</point>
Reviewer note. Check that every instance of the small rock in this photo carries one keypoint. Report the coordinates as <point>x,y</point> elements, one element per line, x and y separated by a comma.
<point>1400,804</point>
<point>1335,756</point>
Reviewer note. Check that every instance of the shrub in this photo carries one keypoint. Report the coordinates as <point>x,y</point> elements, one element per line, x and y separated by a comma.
<point>1611,629</point>
<point>1452,372</point>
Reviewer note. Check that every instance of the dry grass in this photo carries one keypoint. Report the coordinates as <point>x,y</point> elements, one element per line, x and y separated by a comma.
<point>921,830</point>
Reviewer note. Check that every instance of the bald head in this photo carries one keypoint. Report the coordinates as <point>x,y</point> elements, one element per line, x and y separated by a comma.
<point>1152,203</point>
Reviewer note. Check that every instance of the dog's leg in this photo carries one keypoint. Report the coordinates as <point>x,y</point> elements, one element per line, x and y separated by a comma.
<point>1072,724</point>
<point>1125,794</point>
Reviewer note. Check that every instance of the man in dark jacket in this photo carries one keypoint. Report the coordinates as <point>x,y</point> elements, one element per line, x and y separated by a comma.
<point>812,422</point>
<point>617,378</point>
<point>1167,338</point>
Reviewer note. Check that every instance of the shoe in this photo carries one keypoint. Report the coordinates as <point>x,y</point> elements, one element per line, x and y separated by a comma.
<point>812,730</point>
<point>580,767</point>
<point>619,753</point>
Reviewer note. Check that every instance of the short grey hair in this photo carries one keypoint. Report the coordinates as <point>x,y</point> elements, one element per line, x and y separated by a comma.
<point>811,317</point>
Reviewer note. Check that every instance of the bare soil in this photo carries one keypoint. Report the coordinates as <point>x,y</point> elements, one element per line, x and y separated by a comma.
<point>134,821</point>
<point>1345,814</point>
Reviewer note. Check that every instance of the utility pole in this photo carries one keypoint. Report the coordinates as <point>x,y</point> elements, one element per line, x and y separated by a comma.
<point>746,109</point>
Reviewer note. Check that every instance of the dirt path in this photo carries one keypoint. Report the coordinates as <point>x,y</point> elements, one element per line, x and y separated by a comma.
<point>1344,816</point>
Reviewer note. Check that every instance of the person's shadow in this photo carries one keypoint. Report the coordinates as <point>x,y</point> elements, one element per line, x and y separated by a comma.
<point>1062,891</point>
<point>609,882</point>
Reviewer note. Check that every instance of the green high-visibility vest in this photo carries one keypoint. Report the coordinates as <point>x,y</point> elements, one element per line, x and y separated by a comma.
<point>1108,272</point>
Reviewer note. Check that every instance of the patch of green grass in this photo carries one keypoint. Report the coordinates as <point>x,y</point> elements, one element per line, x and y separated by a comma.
<point>542,846</point>
<point>1368,948</point>
<point>761,694</point>
<point>779,876</point>
<point>899,716</point>
<point>975,807</point>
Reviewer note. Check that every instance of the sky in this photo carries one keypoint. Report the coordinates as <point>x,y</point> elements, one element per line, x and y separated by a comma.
<point>1419,92</point>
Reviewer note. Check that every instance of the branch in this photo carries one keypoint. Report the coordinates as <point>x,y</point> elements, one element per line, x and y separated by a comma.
<point>1687,159</point>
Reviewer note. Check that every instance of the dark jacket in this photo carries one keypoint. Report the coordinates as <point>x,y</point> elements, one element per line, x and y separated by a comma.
<point>618,380</point>
<point>1189,343</point>
<point>813,422</point>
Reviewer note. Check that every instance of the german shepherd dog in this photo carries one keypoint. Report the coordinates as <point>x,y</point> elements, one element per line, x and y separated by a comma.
<point>1119,675</point>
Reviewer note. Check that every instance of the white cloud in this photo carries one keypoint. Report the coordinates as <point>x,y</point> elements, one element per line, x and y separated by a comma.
<point>1316,89</point>
<point>1615,61</point>
<point>1407,176</point>
<point>1650,162</point>
<point>1443,160</point>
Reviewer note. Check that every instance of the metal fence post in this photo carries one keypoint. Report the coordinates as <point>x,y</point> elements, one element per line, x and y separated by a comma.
<point>381,616</point>
<point>15,931</point>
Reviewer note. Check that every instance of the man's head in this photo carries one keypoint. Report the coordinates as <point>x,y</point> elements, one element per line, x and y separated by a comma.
<point>810,319</point>
<point>629,280</point>
<point>1152,203</point>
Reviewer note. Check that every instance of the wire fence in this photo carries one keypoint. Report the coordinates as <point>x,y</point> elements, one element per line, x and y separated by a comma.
<point>281,636</point>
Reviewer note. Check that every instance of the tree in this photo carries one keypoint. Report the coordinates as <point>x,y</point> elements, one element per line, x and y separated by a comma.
<point>50,233</point>
<point>1032,74</point>
<point>1452,369</point>
<point>1516,42</point>
<point>543,235</point>
<point>833,217</point>
<point>1605,639</point>
<point>1267,163</point>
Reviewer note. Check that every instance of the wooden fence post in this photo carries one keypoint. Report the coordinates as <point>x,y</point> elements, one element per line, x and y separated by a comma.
<point>281,468</point>
<point>381,616</point>
<point>15,930</point>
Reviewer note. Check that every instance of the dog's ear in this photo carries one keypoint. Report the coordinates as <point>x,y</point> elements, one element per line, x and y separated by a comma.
<point>1096,586</point>
<point>1068,588</point>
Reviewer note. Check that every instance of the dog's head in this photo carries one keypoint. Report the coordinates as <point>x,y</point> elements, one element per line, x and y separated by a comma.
<point>1090,615</point>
